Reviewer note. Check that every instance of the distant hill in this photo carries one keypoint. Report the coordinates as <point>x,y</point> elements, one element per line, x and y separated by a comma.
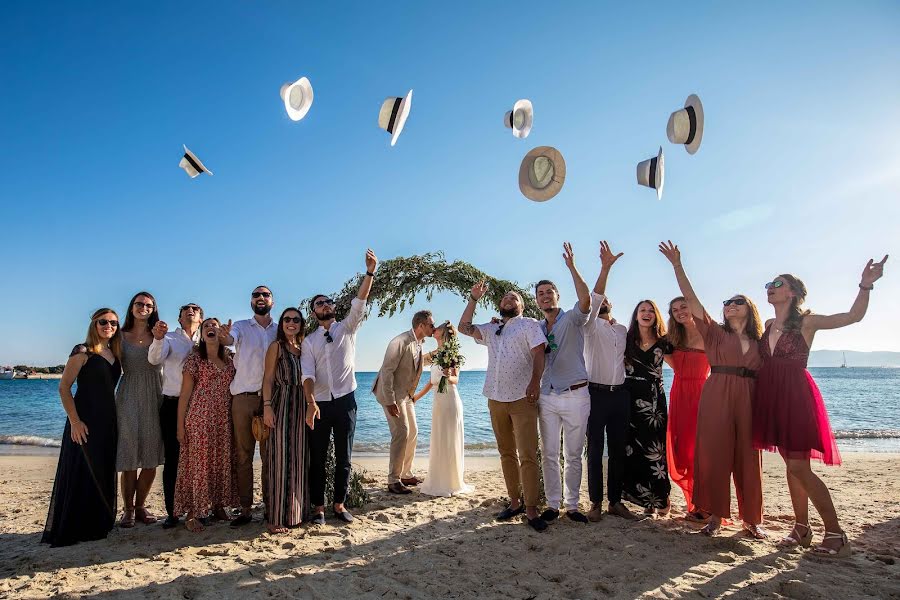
<point>834,358</point>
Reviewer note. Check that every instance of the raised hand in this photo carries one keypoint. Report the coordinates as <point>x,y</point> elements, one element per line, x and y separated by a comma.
<point>79,432</point>
<point>160,330</point>
<point>568,255</point>
<point>224,332</point>
<point>671,252</point>
<point>371,261</point>
<point>479,289</point>
<point>873,271</point>
<point>607,258</point>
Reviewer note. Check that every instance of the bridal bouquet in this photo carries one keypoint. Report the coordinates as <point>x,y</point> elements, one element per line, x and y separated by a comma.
<point>448,356</point>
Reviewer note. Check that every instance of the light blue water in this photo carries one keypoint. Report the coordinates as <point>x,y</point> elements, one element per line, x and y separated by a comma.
<point>863,403</point>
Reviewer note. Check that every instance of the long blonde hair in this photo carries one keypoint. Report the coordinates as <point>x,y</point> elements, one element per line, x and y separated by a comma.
<point>92,341</point>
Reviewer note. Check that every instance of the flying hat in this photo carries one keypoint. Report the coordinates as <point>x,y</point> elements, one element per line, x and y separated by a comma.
<point>393,114</point>
<point>520,118</point>
<point>686,125</point>
<point>651,172</point>
<point>191,164</point>
<point>542,173</point>
<point>297,97</point>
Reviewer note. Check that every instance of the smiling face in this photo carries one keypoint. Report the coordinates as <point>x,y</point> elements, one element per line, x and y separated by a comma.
<point>291,323</point>
<point>681,312</point>
<point>209,331</point>
<point>734,310</point>
<point>511,305</point>
<point>262,300</point>
<point>547,297</point>
<point>190,316</point>
<point>142,307</point>
<point>108,328</point>
<point>646,315</point>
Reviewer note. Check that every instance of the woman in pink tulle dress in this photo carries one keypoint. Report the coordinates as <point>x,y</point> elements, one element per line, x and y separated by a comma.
<point>788,411</point>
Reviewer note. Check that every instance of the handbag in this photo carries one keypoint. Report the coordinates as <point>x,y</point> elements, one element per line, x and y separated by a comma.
<point>260,431</point>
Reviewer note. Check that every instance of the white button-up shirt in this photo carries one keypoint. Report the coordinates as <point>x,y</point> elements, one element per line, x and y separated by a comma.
<point>509,357</point>
<point>604,347</point>
<point>251,341</point>
<point>330,364</point>
<point>171,352</point>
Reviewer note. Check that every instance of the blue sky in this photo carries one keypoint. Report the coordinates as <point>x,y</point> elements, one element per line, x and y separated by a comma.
<point>799,170</point>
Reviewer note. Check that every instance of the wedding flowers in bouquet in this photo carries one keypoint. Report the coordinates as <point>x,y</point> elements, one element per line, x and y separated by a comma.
<point>448,355</point>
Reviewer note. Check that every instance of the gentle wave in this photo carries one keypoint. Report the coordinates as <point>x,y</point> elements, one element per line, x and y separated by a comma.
<point>866,434</point>
<point>28,440</point>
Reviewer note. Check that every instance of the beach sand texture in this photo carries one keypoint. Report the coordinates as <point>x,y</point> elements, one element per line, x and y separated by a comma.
<point>417,547</point>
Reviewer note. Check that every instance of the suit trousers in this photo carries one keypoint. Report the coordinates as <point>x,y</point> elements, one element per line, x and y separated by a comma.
<point>243,409</point>
<point>610,415</point>
<point>337,415</point>
<point>168,424</point>
<point>515,426</point>
<point>404,434</point>
<point>564,413</point>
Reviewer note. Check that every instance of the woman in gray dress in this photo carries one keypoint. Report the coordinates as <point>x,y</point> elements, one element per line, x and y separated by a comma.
<point>138,400</point>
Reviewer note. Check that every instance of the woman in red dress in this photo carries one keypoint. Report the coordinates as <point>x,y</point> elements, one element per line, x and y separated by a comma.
<point>691,370</point>
<point>788,411</point>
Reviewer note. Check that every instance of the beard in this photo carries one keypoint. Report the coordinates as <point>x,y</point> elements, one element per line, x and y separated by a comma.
<point>325,316</point>
<point>262,310</point>
<point>604,310</point>
<point>509,313</point>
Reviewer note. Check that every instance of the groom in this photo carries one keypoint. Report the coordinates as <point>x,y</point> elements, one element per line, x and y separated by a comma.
<point>394,388</point>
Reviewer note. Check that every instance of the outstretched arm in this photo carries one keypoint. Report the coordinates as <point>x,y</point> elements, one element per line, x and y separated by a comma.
<point>671,252</point>
<point>366,286</point>
<point>872,272</point>
<point>607,260</point>
<point>465,326</point>
<point>581,288</point>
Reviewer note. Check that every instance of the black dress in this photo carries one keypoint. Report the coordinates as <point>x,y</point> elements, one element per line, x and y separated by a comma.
<point>646,480</point>
<point>83,504</point>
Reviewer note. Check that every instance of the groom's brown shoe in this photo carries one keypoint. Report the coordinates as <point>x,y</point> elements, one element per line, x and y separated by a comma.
<point>399,488</point>
<point>411,481</point>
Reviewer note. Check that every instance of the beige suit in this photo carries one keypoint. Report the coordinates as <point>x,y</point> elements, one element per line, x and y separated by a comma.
<point>396,385</point>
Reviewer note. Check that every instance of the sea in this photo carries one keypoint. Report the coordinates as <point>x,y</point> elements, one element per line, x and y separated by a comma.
<point>863,404</point>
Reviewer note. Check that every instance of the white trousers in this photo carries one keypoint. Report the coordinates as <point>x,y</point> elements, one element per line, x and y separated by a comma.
<point>563,413</point>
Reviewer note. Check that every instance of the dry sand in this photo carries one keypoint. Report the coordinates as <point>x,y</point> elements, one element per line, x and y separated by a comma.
<point>418,547</point>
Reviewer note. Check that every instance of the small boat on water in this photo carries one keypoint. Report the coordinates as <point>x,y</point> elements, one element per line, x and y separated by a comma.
<point>7,373</point>
<point>844,364</point>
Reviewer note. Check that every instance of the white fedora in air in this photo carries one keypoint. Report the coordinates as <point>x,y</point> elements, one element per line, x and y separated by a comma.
<point>191,164</point>
<point>297,97</point>
<point>520,118</point>
<point>542,173</point>
<point>686,125</point>
<point>651,172</point>
<point>393,114</point>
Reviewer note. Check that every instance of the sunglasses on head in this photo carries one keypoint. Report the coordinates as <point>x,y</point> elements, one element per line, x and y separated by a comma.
<point>105,322</point>
<point>737,301</point>
<point>147,305</point>
<point>263,294</point>
<point>291,319</point>
<point>774,284</point>
<point>324,301</point>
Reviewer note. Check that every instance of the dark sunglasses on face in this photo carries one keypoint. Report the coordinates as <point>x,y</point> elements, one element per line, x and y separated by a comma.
<point>737,301</point>
<point>105,322</point>
<point>774,284</point>
<point>147,305</point>
<point>192,307</point>
<point>323,302</point>
<point>291,319</point>
<point>263,294</point>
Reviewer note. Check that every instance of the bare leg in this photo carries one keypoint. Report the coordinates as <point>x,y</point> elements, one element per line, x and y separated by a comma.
<point>129,484</point>
<point>802,475</point>
<point>144,483</point>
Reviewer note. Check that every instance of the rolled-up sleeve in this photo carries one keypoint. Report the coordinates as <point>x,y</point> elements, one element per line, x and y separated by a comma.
<point>580,319</point>
<point>307,362</point>
<point>354,318</point>
<point>158,351</point>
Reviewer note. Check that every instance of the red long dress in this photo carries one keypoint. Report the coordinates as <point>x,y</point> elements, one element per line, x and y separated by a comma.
<point>691,370</point>
<point>788,411</point>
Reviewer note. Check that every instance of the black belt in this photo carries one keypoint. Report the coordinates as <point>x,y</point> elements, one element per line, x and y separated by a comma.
<point>605,388</point>
<point>739,371</point>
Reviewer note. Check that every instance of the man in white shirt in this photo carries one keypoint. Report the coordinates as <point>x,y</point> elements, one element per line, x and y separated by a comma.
<point>329,382</point>
<point>604,354</point>
<point>251,339</point>
<point>171,350</point>
<point>512,385</point>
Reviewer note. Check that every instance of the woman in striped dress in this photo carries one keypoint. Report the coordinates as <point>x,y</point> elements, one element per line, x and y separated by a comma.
<point>284,412</point>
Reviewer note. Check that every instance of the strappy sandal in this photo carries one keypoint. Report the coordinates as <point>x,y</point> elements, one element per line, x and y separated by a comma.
<point>755,531</point>
<point>144,516</point>
<point>711,529</point>
<point>127,520</point>
<point>193,525</point>
<point>844,551</point>
<point>795,539</point>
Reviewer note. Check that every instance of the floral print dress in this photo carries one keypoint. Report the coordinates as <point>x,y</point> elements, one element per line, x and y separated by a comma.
<point>646,480</point>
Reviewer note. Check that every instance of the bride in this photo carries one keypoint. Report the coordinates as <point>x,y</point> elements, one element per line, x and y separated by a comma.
<point>446,466</point>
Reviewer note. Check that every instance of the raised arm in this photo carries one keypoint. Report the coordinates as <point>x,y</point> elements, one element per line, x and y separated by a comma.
<point>581,288</point>
<point>607,260</point>
<point>465,326</point>
<point>366,286</point>
<point>79,430</point>
<point>872,272</point>
<point>225,336</point>
<point>159,347</point>
<point>671,252</point>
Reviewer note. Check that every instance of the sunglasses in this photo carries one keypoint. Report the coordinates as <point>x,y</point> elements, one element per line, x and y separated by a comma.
<point>105,322</point>
<point>326,301</point>
<point>193,307</point>
<point>328,338</point>
<point>291,320</point>
<point>147,305</point>
<point>500,329</point>
<point>263,294</point>
<point>551,345</point>
<point>737,301</point>
<point>774,284</point>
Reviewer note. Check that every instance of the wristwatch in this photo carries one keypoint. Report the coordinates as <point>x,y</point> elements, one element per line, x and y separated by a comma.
<point>868,289</point>
<point>370,273</point>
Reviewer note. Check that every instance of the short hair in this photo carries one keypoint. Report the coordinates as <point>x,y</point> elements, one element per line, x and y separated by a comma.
<point>545,282</point>
<point>312,303</point>
<point>265,286</point>
<point>420,317</point>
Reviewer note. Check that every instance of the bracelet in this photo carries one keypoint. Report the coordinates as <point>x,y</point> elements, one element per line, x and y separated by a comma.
<point>313,402</point>
<point>267,404</point>
<point>370,273</point>
<point>868,289</point>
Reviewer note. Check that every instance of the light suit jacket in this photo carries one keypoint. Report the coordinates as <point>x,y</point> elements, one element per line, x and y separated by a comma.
<point>399,374</point>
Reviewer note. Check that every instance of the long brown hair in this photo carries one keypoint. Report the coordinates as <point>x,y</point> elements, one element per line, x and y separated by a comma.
<point>794,320</point>
<point>281,336</point>
<point>633,338</point>
<point>677,333</point>
<point>753,328</point>
<point>201,345</point>
<point>92,340</point>
<point>129,315</point>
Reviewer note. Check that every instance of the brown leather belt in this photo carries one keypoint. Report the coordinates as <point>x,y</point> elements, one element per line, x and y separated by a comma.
<point>572,388</point>
<point>739,371</point>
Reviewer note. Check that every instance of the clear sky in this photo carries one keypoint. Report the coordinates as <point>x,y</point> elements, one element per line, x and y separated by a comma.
<point>799,170</point>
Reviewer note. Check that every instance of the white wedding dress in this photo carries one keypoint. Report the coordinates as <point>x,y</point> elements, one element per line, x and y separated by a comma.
<point>446,466</point>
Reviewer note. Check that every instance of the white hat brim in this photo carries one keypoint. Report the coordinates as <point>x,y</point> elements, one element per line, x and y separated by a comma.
<point>306,86</point>
<point>402,114</point>
<point>556,183</point>
<point>694,101</point>
<point>193,156</point>
<point>526,106</point>
<point>660,173</point>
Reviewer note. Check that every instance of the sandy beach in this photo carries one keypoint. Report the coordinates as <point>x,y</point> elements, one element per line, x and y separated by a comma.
<point>418,547</point>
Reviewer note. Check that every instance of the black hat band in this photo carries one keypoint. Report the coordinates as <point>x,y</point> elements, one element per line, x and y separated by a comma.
<point>193,162</point>
<point>652,181</point>
<point>692,118</point>
<point>394,111</point>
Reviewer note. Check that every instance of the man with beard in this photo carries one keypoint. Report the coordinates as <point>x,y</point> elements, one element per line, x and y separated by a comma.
<point>171,350</point>
<point>604,354</point>
<point>512,385</point>
<point>251,339</point>
<point>329,382</point>
<point>565,402</point>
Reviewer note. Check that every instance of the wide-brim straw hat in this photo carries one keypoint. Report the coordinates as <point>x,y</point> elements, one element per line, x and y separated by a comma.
<point>685,125</point>
<point>651,173</point>
<point>297,97</point>
<point>393,114</point>
<point>191,164</point>
<point>542,173</point>
<point>520,118</point>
